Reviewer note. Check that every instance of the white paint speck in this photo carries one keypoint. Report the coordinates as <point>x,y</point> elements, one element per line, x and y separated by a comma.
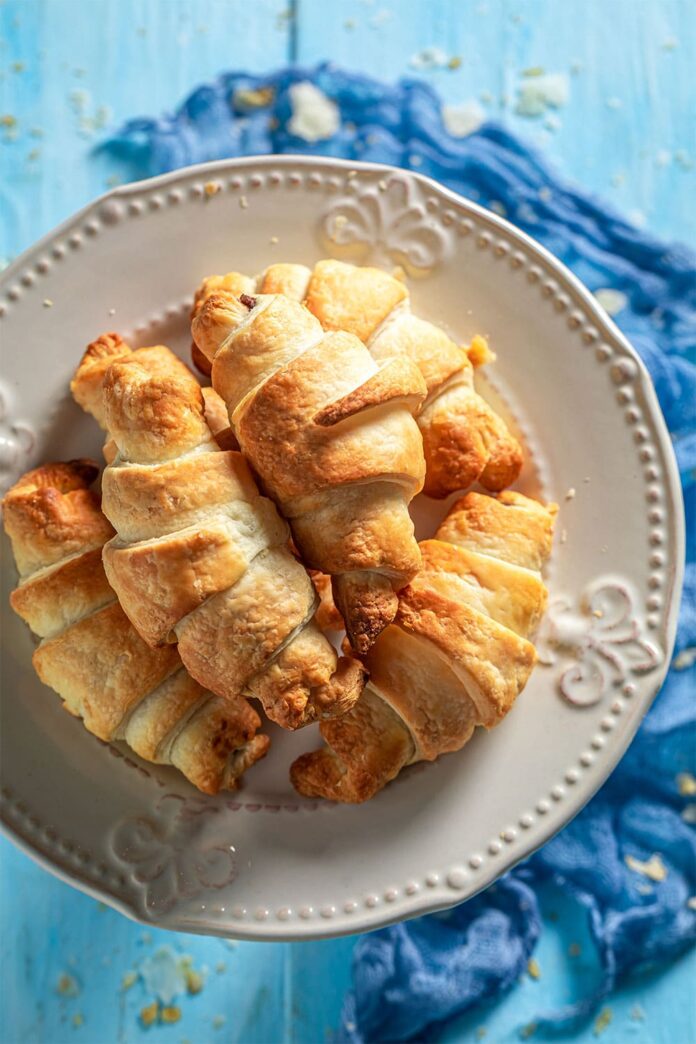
<point>314,116</point>
<point>463,119</point>
<point>612,301</point>
<point>537,94</point>
<point>429,58</point>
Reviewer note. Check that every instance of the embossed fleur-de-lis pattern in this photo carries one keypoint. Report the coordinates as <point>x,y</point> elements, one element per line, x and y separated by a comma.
<point>605,638</point>
<point>387,221</point>
<point>175,853</point>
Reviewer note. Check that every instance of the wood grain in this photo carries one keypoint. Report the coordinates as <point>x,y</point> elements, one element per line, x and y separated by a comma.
<point>142,57</point>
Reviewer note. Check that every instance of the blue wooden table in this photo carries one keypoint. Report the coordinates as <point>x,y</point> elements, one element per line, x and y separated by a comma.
<point>72,970</point>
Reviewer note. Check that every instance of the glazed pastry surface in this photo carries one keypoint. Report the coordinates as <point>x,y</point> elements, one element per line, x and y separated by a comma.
<point>93,657</point>
<point>330,433</point>
<point>456,656</point>
<point>464,439</point>
<point>200,558</point>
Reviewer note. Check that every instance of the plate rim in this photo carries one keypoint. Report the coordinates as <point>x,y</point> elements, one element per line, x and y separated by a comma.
<point>416,905</point>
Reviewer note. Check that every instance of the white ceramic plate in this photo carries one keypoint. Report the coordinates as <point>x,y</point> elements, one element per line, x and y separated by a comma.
<point>265,863</point>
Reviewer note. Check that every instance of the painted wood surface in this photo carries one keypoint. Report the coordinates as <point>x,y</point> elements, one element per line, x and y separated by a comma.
<point>72,69</point>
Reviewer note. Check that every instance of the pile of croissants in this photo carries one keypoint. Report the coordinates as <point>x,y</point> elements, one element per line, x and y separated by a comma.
<point>238,522</point>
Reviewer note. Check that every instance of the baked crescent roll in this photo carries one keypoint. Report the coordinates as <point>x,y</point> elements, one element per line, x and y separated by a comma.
<point>457,655</point>
<point>464,440</point>
<point>93,657</point>
<point>330,433</point>
<point>200,557</point>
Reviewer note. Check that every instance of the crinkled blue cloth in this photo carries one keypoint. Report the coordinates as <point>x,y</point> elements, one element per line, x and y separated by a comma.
<point>411,978</point>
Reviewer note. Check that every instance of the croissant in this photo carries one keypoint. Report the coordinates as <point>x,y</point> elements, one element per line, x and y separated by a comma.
<point>200,557</point>
<point>464,440</point>
<point>92,656</point>
<point>331,436</point>
<point>457,655</point>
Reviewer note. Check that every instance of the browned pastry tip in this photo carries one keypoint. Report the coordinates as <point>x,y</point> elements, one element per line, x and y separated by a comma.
<point>92,656</point>
<point>219,311</point>
<point>367,602</point>
<point>87,381</point>
<point>365,749</point>
<point>456,656</point>
<point>328,616</point>
<point>51,512</point>
<point>235,284</point>
<point>465,441</point>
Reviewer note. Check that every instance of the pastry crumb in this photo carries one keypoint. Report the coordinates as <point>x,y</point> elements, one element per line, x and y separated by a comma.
<point>382,185</point>
<point>691,902</point>
<point>274,240</point>
<point>148,1014</point>
<point>570,493</point>
<point>170,1014</point>
<point>129,979</point>
<point>685,659</point>
<point>243,202</point>
<point>653,868</point>
<point>67,985</point>
<point>598,613</point>
<point>254,98</point>
<point>112,311</point>
<point>47,302</point>
<point>564,536</point>
<point>78,1019</point>
<point>479,352</point>
<point>211,188</point>
<point>218,1021</point>
<point>194,981</point>
<point>533,969</point>
<point>602,1021</point>
<point>686,784</point>
<point>689,814</point>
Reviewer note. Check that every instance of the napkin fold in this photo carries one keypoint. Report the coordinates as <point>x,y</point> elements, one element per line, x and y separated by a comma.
<point>411,978</point>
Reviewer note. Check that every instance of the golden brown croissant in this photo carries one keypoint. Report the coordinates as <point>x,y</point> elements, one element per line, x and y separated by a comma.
<point>331,436</point>
<point>90,653</point>
<point>456,656</point>
<point>200,557</point>
<point>464,440</point>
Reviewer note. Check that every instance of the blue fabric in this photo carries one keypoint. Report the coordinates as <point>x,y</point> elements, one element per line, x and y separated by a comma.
<point>411,978</point>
